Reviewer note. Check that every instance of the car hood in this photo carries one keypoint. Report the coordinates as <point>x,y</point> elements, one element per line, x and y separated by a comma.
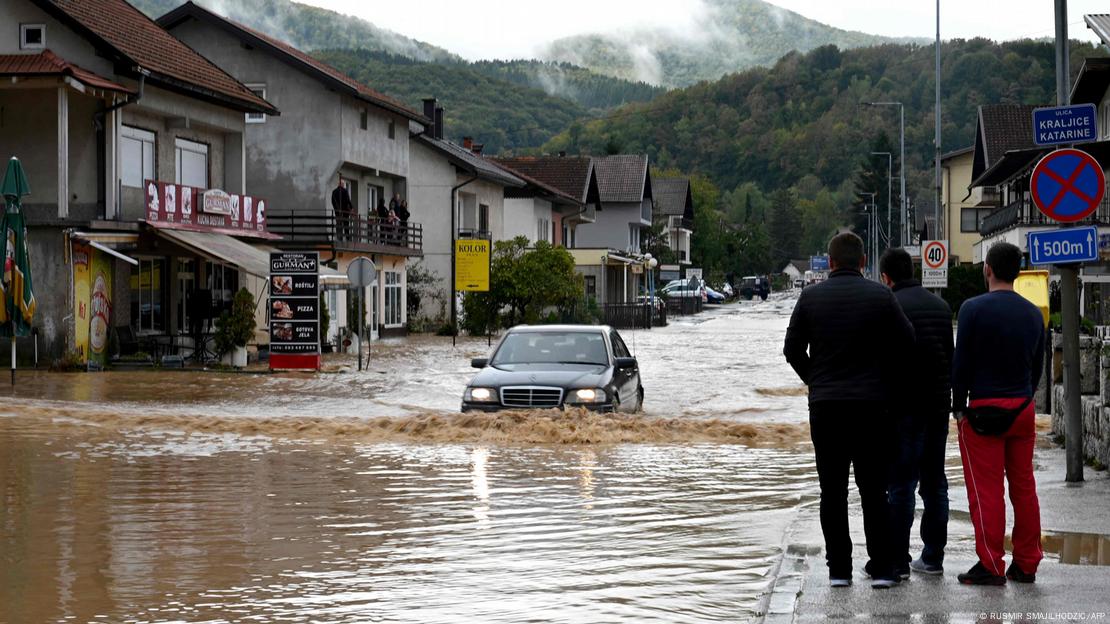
<point>569,377</point>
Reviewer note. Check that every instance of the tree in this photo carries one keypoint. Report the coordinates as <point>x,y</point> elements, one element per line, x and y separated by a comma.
<point>872,177</point>
<point>785,227</point>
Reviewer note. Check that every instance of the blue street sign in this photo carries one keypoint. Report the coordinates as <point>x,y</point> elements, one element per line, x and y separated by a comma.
<point>1057,125</point>
<point>818,263</point>
<point>1064,246</point>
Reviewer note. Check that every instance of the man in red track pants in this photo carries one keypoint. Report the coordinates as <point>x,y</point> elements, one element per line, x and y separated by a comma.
<point>998,361</point>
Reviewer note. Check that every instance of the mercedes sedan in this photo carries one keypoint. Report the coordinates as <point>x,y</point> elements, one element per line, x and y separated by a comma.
<point>553,366</point>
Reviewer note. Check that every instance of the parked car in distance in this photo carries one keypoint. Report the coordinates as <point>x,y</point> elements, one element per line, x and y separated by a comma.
<point>685,288</point>
<point>755,286</point>
<point>658,302</point>
<point>552,366</point>
<point>726,289</point>
<point>714,296</point>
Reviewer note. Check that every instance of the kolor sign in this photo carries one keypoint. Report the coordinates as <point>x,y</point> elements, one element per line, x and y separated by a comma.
<point>294,310</point>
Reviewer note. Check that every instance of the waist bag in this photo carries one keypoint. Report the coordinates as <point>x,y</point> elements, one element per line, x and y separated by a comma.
<point>990,420</point>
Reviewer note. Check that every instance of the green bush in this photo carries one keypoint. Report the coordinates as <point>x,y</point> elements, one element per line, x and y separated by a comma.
<point>236,326</point>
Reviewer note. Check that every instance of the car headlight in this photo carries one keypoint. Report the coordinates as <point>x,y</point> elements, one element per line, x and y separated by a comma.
<point>589,395</point>
<point>480,395</point>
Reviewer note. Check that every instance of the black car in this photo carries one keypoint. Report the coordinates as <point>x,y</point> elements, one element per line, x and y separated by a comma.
<point>555,366</point>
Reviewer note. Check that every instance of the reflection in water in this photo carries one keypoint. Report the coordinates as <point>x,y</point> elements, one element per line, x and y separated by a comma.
<point>480,483</point>
<point>1078,548</point>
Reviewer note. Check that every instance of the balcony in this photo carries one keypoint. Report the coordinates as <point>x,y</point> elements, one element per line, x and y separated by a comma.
<point>985,197</point>
<point>467,233</point>
<point>680,223</point>
<point>316,230</point>
<point>1022,213</point>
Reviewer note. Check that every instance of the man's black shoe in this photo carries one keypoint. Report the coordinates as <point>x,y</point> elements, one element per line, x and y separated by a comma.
<point>980,575</point>
<point>1016,575</point>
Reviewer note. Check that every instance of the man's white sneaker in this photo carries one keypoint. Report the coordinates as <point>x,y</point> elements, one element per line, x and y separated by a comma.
<point>919,566</point>
<point>840,582</point>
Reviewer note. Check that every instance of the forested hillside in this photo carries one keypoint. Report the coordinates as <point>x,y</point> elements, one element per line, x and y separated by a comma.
<point>589,89</point>
<point>502,115</point>
<point>723,36</point>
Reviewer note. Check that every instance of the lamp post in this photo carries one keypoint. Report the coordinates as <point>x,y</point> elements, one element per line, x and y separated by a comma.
<point>651,264</point>
<point>872,221</point>
<point>889,230</point>
<point>905,229</point>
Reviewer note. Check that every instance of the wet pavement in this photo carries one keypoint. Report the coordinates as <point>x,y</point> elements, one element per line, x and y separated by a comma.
<point>355,497</point>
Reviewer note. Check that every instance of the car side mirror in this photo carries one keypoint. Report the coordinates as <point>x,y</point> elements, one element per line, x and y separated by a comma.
<point>479,362</point>
<point>623,363</point>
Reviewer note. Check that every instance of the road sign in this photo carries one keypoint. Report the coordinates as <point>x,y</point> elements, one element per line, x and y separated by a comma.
<point>934,264</point>
<point>1059,125</point>
<point>818,263</point>
<point>1064,246</point>
<point>362,272</point>
<point>472,265</point>
<point>1067,185</point>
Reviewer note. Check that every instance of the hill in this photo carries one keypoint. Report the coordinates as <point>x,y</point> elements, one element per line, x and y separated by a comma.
<point>307,27</point>
<point>502,115</point>
<point>725,36</point>
<point>589,89</point>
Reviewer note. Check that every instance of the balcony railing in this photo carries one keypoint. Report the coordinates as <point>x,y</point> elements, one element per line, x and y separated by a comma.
<point>480,234</point>
<point>1022,213</point>
<point>675,223</point>
<point>318,229</point>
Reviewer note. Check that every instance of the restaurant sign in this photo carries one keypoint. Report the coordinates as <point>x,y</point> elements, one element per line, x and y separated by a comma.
<point>294,310</point>
<point>191,208</point>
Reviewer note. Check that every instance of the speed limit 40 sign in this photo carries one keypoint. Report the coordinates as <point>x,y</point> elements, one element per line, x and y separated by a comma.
<point>934,264</point>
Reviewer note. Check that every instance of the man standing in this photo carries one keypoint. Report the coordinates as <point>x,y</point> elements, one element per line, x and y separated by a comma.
<point>922,420</point>
<point>342,206</point>
<point>846,340</point>
<point>998,360</point>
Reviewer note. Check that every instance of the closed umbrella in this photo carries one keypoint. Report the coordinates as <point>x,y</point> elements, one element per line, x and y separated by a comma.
<point>18,307</point>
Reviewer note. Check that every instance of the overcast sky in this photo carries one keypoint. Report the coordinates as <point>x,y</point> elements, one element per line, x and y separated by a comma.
<point>513,28</point>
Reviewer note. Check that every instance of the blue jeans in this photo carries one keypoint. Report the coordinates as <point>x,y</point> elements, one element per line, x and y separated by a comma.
<point>922,438</point>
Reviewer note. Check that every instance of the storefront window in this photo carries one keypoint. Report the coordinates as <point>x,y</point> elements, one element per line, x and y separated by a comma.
<point>186,282</point>
<point>223,281</point>
<point>392,299</point>
<point>148,295</point>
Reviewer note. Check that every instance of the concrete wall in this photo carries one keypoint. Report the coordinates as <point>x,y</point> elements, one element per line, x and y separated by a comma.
<point>956,178</point>
<point>431,177</point>
<point>610,229</point>
<point>1094,365</point>
<point>59,39</point>
<point>522,216</point>
<point>28,130</point>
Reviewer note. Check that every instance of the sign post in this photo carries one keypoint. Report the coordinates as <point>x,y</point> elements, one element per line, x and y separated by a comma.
<point>361,273</point>
<point>295,310</point>
<point>934,264</point>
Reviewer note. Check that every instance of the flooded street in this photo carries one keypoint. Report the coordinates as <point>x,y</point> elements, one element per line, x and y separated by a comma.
<point>363,497</point>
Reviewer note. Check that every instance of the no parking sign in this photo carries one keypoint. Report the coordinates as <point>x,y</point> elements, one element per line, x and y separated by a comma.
<point>1067,185</point>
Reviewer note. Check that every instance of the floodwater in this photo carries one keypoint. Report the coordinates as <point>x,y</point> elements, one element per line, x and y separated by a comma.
<point>365,497</point>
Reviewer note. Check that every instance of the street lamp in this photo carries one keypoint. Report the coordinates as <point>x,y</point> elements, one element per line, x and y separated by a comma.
<point>889,228</point>
<point>651,263</point>
<point>901,164</point>
<point>873,245</point>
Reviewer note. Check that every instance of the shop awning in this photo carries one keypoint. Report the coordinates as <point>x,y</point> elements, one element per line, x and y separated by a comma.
<point>222,248</point>
<point>104,241</point>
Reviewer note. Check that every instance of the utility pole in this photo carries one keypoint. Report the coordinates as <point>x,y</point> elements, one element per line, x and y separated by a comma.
<point>872,243</point>
<point>889,233</point>
<point>1069,289</point>
<point>937,235</point>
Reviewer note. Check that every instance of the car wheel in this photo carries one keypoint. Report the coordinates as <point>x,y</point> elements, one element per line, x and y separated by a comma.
<point>640,401</point>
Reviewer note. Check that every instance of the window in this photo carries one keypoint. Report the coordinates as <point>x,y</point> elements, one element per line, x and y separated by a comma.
<point>591,287</point>
<point>619,348</point>
<point>363,119</point>
<point>543,230</point>
<point>186,280</point>
<point>972,218</point>
<point>223,281</point>
<point>136,156</point>
<point>148,295</point>
<point>192,163</point>
<point>634,238</point>
<point>483,218</point>
<point>260,91</point>
<point>32,36</point>
<point>392,129</point>
<point>392,299</point>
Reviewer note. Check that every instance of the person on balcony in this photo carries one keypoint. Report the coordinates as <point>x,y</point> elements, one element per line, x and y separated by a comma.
<point>343,208</point>
<point>403,215</point>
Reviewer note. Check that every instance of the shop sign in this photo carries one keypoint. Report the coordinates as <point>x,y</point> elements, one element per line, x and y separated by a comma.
<point>192,208</point>
<point>294,310</point>
<point>472,265</point>
<point>92,301</point>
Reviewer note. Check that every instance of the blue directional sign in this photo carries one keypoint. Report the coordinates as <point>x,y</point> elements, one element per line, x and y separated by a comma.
<point>818,263</point>
<point>1064,246</point>
<point>1057,125</point>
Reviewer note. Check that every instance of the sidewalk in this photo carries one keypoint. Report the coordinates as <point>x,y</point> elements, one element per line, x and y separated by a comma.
<point>1076,529</point>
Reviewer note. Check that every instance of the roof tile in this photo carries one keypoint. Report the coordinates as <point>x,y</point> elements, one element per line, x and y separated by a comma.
<point>46,63</point>
<point>568,174</point>
<point>622,178</point>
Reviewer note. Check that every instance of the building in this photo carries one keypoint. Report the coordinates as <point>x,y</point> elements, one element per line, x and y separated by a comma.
<point>673,211</point>
<point>333,132</point>
<point>463,193</point>
<point>796,270</point>
<point>964,211</point>
<point>134,146</point>
<point>574,177</point>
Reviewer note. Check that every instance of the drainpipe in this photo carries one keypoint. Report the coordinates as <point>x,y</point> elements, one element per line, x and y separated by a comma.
<point>454,237</point>
<point>98,121</point>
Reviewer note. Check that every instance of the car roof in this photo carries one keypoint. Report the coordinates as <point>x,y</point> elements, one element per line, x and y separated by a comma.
<point>561,328</point>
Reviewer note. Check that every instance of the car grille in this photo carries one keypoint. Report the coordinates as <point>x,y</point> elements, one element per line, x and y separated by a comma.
<point>531,396</point>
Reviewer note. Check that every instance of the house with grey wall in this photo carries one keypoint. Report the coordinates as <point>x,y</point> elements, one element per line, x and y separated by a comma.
<point>673,213</point>
<point>106,110</point>
<point>333,131</point>
<point>562,191</point>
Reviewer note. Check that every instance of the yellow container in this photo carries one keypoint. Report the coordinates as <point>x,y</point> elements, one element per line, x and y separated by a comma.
<point>1033,285</point>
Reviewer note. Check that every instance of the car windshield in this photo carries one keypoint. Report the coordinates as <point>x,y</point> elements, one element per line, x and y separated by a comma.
<point>586,348</point>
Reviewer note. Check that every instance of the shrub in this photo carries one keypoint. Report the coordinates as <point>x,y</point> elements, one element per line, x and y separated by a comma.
<point>236,326</point>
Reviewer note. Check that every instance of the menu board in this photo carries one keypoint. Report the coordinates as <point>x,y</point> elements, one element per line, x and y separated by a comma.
<point>294,310</point>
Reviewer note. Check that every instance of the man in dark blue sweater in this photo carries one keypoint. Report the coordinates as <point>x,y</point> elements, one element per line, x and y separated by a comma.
<point>998,361</point>
<point>848,340</point>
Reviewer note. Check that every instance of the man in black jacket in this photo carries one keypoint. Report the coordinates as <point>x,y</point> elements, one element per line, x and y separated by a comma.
<point>847,340</point>
<point>343,208</point>
<point>922,420</point>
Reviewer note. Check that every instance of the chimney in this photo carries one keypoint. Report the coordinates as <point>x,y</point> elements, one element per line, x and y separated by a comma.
<point>562,154</point>
<point>477,147</point>
<point>468,142</point>
<point>430,109</point>
<point>438,123</point>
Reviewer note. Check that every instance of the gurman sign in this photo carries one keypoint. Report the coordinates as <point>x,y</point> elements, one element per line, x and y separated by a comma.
<point>1059,125</point>
<point>213,210</point>
<point>294,310</point>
